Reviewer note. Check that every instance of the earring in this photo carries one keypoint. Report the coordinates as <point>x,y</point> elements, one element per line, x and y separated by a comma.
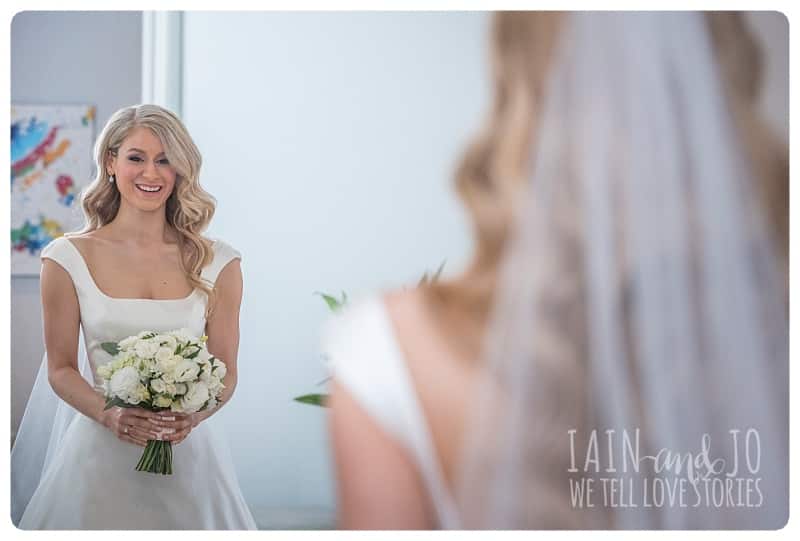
<point>111,179</point>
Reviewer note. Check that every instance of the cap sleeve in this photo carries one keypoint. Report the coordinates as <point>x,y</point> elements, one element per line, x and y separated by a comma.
<point>62,251</point>
<point>224,253</point>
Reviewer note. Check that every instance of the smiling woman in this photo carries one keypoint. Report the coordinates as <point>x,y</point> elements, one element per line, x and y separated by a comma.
<point>145,167</point>
<point>141,265</point>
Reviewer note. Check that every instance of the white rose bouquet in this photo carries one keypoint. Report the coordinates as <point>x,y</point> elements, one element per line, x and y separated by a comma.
<point>161,371</point>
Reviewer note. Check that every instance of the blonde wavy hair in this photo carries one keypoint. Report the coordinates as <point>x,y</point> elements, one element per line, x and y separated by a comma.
<point>494,167</point>
<point>189,208</point>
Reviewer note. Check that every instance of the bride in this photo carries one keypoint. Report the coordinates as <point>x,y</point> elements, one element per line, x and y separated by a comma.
<point>141,263</point>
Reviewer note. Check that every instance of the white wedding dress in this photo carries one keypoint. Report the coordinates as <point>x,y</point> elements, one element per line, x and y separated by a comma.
<point>90,481</point>
<point>366,359</point>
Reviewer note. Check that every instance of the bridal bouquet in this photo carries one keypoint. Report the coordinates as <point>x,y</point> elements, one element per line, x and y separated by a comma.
<point>161,371</point>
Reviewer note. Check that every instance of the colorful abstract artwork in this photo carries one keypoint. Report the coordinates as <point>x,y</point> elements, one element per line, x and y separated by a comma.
<point>51,162</point>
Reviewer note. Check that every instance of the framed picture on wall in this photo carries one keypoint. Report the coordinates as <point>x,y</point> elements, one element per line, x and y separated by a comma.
<point>51,162</point>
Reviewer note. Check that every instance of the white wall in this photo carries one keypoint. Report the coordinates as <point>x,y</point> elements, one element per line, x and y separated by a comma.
<point>62,58</point>
<point>329,141</point>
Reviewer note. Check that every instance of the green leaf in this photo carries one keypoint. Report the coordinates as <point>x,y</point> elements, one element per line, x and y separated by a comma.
<point>438,272</point>
<point>333,303</point>
<point>425,280</point>
<point>313,399</point>
<point>110,347</point>
<point>115,401</point>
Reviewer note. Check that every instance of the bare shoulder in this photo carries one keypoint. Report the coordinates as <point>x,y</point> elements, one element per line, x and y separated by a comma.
<point>99,234</point>
<point>402,301</point>
<point>407,311</point>
<point>424,326</point>
<point>89,242</point>
<point>415,326</point>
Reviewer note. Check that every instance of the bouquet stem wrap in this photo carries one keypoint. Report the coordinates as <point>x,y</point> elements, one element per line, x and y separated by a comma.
<point>157,458</point>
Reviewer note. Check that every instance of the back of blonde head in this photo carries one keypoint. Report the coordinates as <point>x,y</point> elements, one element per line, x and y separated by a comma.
<point>189,208</point>
<point>494,169</point>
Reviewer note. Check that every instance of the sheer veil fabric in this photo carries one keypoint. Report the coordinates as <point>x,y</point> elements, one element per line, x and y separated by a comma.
<point>639,338</point>
<point>41,430</point>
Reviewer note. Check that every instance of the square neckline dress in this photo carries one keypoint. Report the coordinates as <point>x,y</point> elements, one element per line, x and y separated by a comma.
<point>91,481</point>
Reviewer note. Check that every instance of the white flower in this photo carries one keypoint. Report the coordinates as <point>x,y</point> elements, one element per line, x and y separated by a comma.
<point>166,340</point>
<point>182,335</point>
<point>104,371</point>
<point>146,348</point>
<point>206,374</point>
<point>124,358</point>
<point>125,383</point>
<point>220,369</point>
<point>164,354</point>
<point>162,401</point>
<point>128,342</point>
<point>146,366</point>
<point>195,397</point>
<point>139,395</point>
<point>166,366</point>
<point>215,387</point>
<point>158,385</point>
<point>203,355</point>
<point>186,371</point>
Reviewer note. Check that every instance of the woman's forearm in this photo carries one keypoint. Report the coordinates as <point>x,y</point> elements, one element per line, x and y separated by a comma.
<point>230,381</point>
<point>70,386</point>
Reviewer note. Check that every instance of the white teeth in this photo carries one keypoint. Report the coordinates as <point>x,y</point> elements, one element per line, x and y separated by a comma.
<point>151,189</point>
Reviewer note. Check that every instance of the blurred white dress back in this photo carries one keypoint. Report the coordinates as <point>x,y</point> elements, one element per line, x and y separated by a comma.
<point>367,361</point>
